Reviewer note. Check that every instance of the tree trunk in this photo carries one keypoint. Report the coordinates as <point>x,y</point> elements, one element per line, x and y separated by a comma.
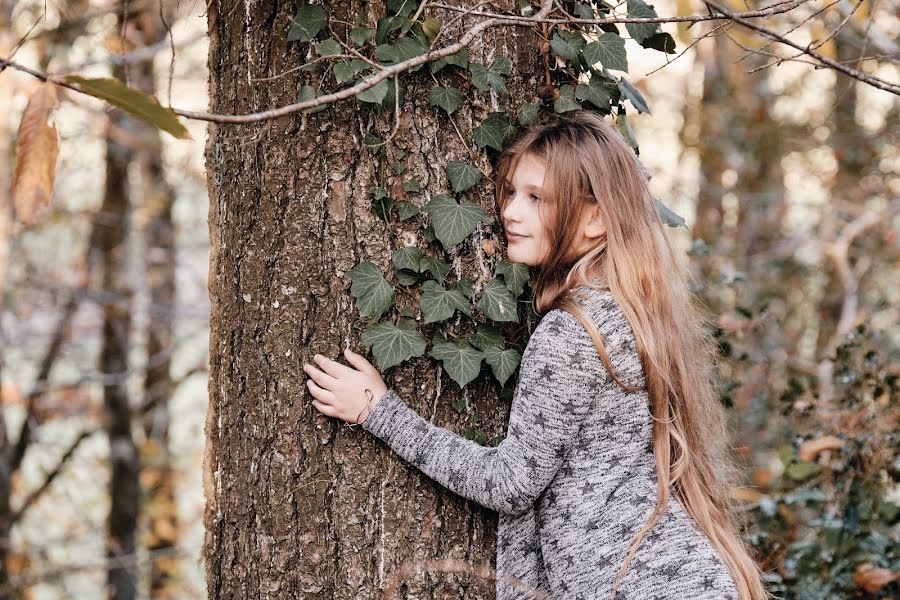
<point>298,505</point>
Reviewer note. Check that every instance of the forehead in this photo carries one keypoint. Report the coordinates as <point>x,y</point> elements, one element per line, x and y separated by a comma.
<point>529,172</point>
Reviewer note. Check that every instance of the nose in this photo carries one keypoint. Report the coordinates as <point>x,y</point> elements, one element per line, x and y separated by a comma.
<point>510,211</point>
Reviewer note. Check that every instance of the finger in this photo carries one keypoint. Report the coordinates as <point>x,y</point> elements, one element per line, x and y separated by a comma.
<point>323,380</point>
<point>333,367</point>
<point>359,361</point>
<point>328,411</point>
<point>322,395</point>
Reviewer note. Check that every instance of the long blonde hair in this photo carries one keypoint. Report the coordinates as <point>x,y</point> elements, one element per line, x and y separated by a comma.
<point>589,164</point>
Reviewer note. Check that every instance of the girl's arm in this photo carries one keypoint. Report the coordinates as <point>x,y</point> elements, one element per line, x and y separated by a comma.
<point>552,398</point>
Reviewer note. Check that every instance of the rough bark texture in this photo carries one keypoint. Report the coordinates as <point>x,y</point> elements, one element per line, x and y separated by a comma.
<point>298,505</point>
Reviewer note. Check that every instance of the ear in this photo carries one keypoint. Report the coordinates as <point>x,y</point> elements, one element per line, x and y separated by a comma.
<point>595,227</point>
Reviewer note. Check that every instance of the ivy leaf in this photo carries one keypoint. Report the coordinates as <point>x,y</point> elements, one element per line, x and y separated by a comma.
<point>448,98</point>
<point>439,304</point>
<point>407,210</point>
<point>494,131</point>
<point>462,175</point>
<point>566,100</point>
<point>460,360</point>
<point>307,92</point>
<point>501,65</point>
<point>661,41</point>
<point>608,50</point>
<point>401,49</point>
<point>308,22</point>
<point>438,268</point>
<point>503,363</point>
<point>639,10</point>
<point>386,25</point>
<point>497,302</point>
<point>515,275</point>
<point>528,113</point>
<point>411,186</point>
<point>485,79</point>
<point>409,258</point>
<point>328,47</point>
<point>428,232</point>
<point>431,27</point>
<point>453,222</point>
<point>630,92</point>
<point>669,216</point>
<point>465,285</point>
<point>627,133</point>
<point>562,47</point>
<point>487,336</point>
<point>345,71</point>
<point>460,59</point>
<point>374,94</point>
<point>403,8</point>
<point>407,312</point>
<point>374,295</point>
<point>595,92</point>
<point>391,345</point>
<point>360,35</point>
<point>583,11</point>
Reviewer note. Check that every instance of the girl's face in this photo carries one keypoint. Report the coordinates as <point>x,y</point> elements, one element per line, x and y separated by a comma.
<point>521,217</point>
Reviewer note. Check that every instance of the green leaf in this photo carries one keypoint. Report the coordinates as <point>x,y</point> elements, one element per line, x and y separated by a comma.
<point>460,360</point>
<point>801,471</point>
<point>625,129</point>
<point>346,71</point>
<point>608,50</point>
<point>458,404</point>
<point>403,8</point>
<point>360,35</point>
<point>669,216</point>
<point>328,47</point>
<point>485,79</point>
<point>399,167</point>
<point>487,336</point>
<point>453,222</point>
<point>596,92</point>
<point>661,41</point>
<point>439,304</point>
<point>431,27</point>
<point>448,98</point>
<point>409,258</point>
<point>462,175</point>
<point>563,47</point>
<point>528,113</point>
<point>401,49</point>
<point>136,103</point>
<point>307,92</point>
<point>374,295</point>
<point>386,25</point>
<point>630,92</point>
<point>382,208</point>
<point>566,100</point>
<point>639,10</point>
<point>428,232</point>
<point>391,345</point>
<point>388,101</point>
<point>407,210</point>
<point>583,11</point>
<point>494,131</point>
<point>374,94</point>
<point>465,285</point>
<point>411,185</point>
<point>309,21</point>
<point>438,268</point>
<point>515,275</point>
<point>460,59</point>
<point>503,363</point>
<point>407,312</point>
<point>501,65</point>
<point>497,302</point>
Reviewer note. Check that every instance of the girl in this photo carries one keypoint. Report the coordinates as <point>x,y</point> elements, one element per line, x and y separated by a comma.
<point>608,481</point>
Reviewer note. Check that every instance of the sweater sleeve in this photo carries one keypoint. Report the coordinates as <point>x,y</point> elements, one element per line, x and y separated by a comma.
<point>548,407</point>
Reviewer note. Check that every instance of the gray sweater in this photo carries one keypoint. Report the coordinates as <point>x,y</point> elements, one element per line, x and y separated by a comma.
<point>575,476</point>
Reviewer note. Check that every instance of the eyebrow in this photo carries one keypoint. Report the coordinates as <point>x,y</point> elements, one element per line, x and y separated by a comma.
<point>508,183</point>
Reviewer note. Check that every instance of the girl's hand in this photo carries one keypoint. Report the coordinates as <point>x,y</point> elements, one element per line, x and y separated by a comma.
<point>340,391</point>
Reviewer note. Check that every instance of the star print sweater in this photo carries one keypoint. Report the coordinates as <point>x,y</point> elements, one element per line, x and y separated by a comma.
<point>575,476</point>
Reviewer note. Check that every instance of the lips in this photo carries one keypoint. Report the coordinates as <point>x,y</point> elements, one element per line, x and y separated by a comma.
<point>515,236</point>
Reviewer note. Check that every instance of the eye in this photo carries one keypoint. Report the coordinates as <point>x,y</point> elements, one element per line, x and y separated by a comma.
<point>535,198</point>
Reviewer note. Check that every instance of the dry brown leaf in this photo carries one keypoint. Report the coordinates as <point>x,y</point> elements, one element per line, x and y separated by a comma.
<point>36,151</point>
<point>116,44</point>
<point>811,448</point>
<point>489,247</point>
<point>872,578</point>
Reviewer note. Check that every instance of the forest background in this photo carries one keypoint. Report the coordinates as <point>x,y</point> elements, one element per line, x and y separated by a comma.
<point>784,169</point>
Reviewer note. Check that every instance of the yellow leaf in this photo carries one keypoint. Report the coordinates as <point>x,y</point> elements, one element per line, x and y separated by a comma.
<point>36,151</point>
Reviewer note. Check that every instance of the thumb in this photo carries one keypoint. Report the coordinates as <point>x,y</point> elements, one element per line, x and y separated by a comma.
<point>359,361</point>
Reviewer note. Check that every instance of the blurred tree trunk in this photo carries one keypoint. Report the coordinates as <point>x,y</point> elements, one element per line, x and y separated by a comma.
<point>111,231</point>
<point>158,508</point>
<point>298,505</point>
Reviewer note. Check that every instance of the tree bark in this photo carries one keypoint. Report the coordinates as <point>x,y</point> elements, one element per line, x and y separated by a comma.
<point>298,505</point>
